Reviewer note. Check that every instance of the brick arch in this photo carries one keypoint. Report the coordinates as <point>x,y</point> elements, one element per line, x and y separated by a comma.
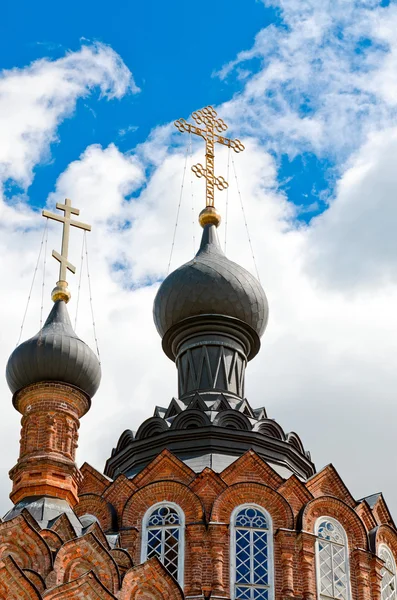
<point>82,555</point>
<point>329,506</point>
<point>150,581</point>
<point>384,534</point>
<point>14,585</point>
<point>162,491</point>
<point>86,587</point>
<point>21,541</point>
<point>101,509</point>
<point>255,493</point>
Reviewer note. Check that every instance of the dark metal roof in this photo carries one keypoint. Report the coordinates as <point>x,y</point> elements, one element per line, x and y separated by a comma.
<point>371,500</point>
<point>209,430</point>
<point>55,353</point>
<point>45,510</point>
<point>210,284</point>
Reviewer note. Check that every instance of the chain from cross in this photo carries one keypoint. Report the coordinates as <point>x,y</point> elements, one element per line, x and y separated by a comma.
<point>213,127</point>
<point>68,222</point>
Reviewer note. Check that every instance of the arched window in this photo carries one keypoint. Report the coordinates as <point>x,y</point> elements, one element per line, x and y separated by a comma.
<point>388,574</point>
<point>163,536</point>
<point>251,553</point>
<point>333,578</point>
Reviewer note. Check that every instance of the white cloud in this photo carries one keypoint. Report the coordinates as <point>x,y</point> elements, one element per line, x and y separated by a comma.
<point>35,99</point>
<point>326,368</point>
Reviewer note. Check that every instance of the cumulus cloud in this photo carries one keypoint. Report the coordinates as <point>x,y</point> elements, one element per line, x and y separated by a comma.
<point>35,99</point>
<point>326,368</point>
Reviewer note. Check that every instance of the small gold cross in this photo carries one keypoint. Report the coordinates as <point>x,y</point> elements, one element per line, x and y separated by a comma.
<point>68,222</point>
<point>207,117</point>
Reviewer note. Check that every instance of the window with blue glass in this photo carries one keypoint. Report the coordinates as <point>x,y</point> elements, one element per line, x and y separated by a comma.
<point>163,537</point>
<point>252,554</point>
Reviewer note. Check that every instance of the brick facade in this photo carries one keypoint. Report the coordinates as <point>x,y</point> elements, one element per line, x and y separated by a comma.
<point>49,437</point>
<point>55,564</point>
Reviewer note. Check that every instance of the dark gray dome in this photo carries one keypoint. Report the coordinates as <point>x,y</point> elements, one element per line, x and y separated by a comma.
<point>54,354</point>
<point>210,284</point>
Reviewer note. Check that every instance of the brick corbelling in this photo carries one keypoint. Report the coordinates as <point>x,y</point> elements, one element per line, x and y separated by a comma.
<point>48,394</point>
<point>347,517</point>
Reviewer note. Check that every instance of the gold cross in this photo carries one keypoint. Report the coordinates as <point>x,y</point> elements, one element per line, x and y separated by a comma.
<point>67,223</point>
<point>207,117</point>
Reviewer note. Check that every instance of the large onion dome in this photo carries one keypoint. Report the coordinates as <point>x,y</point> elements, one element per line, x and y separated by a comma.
<point>210,284</point>
<point>55,353</point>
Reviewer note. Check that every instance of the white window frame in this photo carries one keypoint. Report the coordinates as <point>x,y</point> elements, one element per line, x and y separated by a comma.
<point>317,554</point>
<point>270,557</point>
<point>388,550</point>
<point>181,547</point>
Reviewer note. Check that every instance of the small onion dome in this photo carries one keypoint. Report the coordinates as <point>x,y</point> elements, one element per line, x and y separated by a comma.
<point>54,354</point>
<point>210,284</point>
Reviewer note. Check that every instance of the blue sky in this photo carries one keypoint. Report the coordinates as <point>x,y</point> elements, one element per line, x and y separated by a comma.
<point>174,50</point>
<point>310,87</point>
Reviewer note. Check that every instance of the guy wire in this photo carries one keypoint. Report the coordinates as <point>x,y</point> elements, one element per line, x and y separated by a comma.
<point>79,287</point>
<point>177,212</point>
<point>227,196</point>
<point>90,293</point>
<point>245,220</point>
<point>192,196</point>
<point>32,284</point>
<point>43,283</point>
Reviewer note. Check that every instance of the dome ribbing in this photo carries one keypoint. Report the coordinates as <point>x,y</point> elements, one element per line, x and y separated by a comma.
<point>210,284</point>
<point>55,353</point>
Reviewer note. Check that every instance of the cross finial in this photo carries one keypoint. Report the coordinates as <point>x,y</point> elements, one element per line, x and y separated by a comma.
<point>213,126</point>
<point>61,292</point>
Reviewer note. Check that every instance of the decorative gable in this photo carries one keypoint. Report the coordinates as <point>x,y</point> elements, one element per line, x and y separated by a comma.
<point>207,485</point>
<point>328,482</point>
<point>93,481</point>
<point>164,466</point>
<point>296,493</point>
<point>251,467</point>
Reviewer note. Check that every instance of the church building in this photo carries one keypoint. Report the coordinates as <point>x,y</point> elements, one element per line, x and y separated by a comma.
<point>210,498</point>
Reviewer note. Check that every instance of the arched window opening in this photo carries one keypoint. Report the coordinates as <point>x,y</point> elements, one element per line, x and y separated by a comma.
<point>163,537</point>
<point>251,554</point>
<point>333,578</point>
<point>388,574</point>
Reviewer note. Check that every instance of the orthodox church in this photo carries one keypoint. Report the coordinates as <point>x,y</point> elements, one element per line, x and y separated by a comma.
<point>209,498</point>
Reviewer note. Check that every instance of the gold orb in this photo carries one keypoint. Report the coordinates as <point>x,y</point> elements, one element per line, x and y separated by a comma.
<point>61,292</point>
<point>209,216</point>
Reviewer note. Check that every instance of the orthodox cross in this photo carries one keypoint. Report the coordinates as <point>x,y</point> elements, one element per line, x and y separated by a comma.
<point>67,221</point>
<point>207,117</point>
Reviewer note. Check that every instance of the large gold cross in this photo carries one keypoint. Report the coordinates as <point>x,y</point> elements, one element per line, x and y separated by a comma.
<point>67,221</point>
<point>207,117</point>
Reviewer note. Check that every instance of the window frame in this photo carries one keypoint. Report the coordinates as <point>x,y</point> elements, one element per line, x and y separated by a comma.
<point>317,557</point>
<point>181,526</point>
<point>270,548</point>
<point>389,550</point>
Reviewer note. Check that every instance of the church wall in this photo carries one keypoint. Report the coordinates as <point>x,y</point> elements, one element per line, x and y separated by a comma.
<point>207,502</point>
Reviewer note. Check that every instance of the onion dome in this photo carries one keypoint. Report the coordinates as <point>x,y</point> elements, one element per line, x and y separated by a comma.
<point>210,284</point>
<point>55,353</point>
